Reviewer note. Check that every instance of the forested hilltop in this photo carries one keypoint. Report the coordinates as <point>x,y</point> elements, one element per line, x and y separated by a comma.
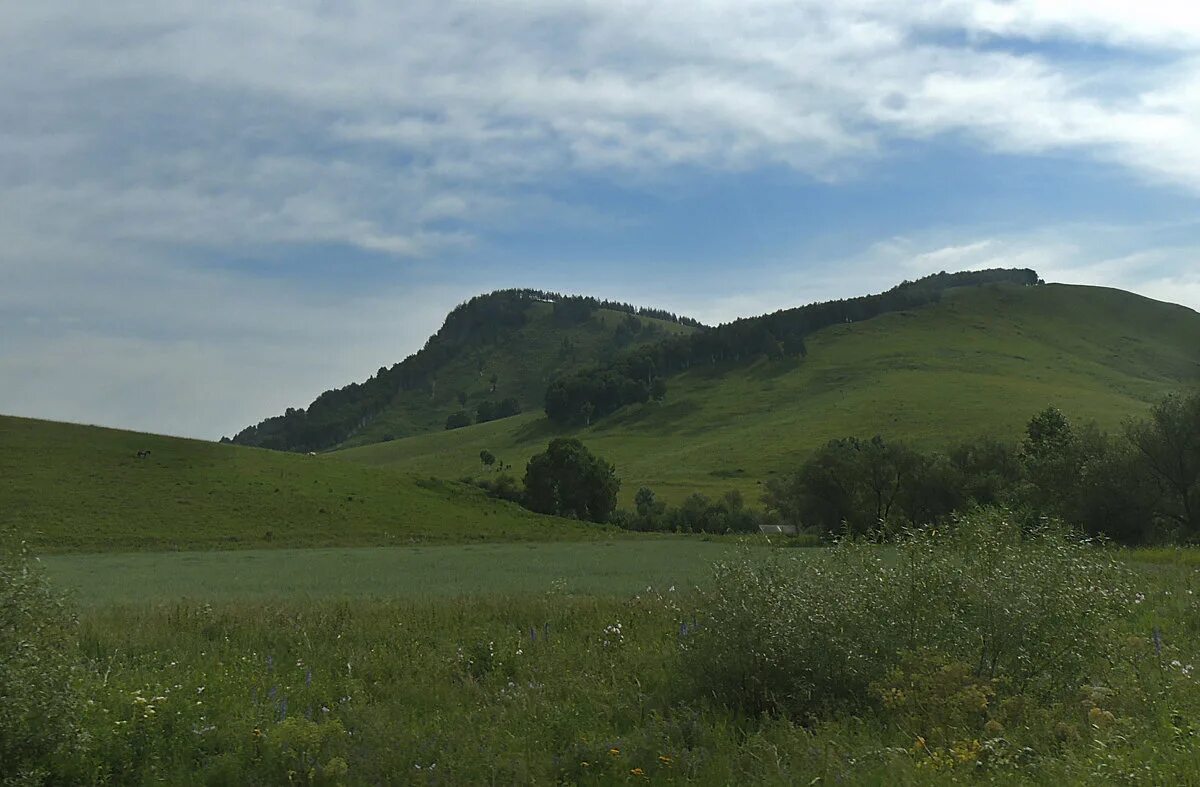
<point>492,358</point>
<point>579,358</point>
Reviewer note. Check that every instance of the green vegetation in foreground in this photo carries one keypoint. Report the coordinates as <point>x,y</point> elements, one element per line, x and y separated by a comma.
<point>555,688</point>
<point>70,488</point>
<point>600,569</point>
<point>978,363</point>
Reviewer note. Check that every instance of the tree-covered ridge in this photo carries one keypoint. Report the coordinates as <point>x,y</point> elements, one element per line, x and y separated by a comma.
<point>637,376</point>
<point>462,362</point>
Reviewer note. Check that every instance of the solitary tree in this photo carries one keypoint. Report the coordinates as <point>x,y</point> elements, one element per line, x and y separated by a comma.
<point>568,480</point>
<point>487,458</point>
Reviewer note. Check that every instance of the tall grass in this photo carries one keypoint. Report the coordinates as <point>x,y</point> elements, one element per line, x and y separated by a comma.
<point>559,688</point>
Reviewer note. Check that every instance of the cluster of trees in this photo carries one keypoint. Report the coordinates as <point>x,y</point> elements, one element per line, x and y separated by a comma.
<point>697,514</point>
<point>1138,486</point>
<point>630,377</point>
<point>564,480</point>
<point>595,392</point>
<point>487,410</point>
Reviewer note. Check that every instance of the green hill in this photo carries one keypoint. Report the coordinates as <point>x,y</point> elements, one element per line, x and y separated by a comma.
<point>980,361</point>
<point>497,349</point>
<point>66,488</point>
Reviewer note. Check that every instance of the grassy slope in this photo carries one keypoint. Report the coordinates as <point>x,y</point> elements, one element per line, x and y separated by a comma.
<point>981,362</point>
<point>76,488</point>
<point>523,361</point>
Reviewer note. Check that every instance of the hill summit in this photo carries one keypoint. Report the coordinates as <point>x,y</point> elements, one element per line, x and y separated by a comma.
<point>492,358</point>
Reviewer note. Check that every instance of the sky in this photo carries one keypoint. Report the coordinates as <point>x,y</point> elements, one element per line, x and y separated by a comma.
<point>211,211</point>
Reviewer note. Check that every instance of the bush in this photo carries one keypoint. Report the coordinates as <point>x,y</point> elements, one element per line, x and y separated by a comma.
<point>40,699</point>
<point>810,635</point>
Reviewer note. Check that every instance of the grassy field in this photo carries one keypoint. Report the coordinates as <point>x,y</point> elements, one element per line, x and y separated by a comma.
<point>979,363</point>
<point>561,687</point>
<point>602,569</point>
<point>69,488</point>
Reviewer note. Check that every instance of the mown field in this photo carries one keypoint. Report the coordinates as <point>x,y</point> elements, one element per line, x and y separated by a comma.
<point>72,488</point>
<point>982,362</point>
<point>599,569</point>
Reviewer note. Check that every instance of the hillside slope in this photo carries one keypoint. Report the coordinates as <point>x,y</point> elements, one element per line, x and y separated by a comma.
<point>502,346</point>
<point>981,361</point>
<point>66,488</point>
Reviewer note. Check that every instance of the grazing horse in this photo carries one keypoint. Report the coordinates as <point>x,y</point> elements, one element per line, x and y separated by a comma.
<point>143,454</point>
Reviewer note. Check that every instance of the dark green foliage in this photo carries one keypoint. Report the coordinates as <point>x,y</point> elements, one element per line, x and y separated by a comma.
<point>859,484</point>
<point>458,420</point>
<point>1134,488</point>
<point>1169,444</point>
<point>568,480</point>
<point>697,514</point>
<point>631,377</point>
<point>491,411</point>
<point>487,458</point>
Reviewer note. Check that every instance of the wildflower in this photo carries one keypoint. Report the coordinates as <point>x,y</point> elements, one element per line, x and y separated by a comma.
<point>585,764</point>
<point>637,772</point>
<point>614,751</point>
<point>665,759</point>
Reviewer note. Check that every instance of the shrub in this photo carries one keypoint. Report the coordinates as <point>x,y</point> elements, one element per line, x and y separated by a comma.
<point>40,700</point>
<point>809,635</point>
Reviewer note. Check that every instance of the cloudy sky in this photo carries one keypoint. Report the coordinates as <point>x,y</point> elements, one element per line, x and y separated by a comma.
<point>210,211</point>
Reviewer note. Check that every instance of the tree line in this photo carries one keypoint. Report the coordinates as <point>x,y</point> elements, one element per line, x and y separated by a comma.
<point>1136,486</point>
<point>638,375</point>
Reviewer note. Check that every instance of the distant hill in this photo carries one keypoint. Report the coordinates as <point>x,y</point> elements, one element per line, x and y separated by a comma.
<point>493,356</point>
<point>975,361</point>
<point>66,488</point>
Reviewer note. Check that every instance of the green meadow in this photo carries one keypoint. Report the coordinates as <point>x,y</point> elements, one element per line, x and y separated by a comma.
<point>981,362</point>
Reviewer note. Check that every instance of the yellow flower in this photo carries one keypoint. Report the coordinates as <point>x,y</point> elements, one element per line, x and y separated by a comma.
<point>637,772</point>
<point>615,752</point>
<point>920,744</point>
<point>586,764</point>
<point>665,759</point>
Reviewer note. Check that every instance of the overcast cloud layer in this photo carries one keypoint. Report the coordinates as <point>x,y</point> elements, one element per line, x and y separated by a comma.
<point>211,211</point>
